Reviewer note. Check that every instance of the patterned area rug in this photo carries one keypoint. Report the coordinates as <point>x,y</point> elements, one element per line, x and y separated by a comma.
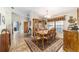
<point>47,43</point>
<point>51,46</point>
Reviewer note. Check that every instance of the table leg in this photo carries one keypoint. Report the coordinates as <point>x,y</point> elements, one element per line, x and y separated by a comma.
<point>36,40</point>
<point>43,42</point>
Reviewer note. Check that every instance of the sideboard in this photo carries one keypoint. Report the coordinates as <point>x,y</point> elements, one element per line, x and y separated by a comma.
<point>4,42</point>
<point>71,41</point>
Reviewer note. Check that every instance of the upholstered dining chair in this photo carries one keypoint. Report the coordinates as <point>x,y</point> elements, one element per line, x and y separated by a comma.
<point>52,33</point>
<point>37,37</point>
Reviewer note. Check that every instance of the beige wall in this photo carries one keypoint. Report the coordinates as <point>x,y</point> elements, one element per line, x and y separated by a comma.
<point>68,13</point>
<point>6,12</point>
<point>72,12</point>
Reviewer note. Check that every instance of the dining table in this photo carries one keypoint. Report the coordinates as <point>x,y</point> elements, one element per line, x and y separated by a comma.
<point>42,33</point>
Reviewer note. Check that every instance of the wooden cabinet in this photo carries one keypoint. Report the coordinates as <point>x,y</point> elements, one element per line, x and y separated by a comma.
<point>25,27</point>
<point>71,41</point>
<point>4,42</point>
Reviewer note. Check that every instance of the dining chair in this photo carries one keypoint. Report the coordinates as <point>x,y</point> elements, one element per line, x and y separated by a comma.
<point>37,37</point>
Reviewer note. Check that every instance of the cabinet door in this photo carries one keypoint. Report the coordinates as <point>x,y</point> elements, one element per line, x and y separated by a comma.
<point>71,42</point>
<point>4,43</point>
<point>1,48</point>
<point>75,41</point>
<point>66,42</point>
<point>78,42</point>
<point>7,45</point>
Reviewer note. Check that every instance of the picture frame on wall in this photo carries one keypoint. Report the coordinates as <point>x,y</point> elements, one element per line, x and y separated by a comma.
<point>3,19</point>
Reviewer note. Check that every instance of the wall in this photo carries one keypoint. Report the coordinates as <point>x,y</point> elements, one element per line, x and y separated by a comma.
<point>6,12</point>
<point>20,18</point>
<point>72,12</point>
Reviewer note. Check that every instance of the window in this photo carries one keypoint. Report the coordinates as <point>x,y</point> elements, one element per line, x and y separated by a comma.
<point>59,26</point>
<point>50,25</point>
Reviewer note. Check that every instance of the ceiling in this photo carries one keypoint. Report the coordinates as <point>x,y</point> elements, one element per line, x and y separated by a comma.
<point>43,11</point>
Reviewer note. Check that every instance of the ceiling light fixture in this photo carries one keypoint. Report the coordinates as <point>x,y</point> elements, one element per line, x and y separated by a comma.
<point>47,16</point>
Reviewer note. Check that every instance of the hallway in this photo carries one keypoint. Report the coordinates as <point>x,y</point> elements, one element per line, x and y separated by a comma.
<point>18,43</point>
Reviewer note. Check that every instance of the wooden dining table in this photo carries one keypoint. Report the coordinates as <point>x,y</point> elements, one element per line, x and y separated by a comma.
<point>42,33</point>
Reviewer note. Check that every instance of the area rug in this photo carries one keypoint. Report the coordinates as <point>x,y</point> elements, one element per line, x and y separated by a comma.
<point>52,46</point>
<point>46,43</point>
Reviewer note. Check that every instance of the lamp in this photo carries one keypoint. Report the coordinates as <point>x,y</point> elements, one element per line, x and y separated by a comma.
<point>71,20</point>
<point>73,23</point>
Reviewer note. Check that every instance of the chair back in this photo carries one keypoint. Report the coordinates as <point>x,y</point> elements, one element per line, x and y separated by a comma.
<point>52,33</point>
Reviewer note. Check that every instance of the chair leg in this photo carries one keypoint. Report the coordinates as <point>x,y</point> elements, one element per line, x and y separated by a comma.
<point>47,41</point>
<point>43,43</point>
<point>37,42</point>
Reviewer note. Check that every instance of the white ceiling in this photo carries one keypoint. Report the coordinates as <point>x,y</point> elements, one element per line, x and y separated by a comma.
<point>42,11</point>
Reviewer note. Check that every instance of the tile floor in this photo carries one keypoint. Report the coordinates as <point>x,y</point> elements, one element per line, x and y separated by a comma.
<point>19,44</point>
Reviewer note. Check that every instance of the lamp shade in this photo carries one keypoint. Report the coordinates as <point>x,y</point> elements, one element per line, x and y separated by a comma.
<point>71,20</point>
